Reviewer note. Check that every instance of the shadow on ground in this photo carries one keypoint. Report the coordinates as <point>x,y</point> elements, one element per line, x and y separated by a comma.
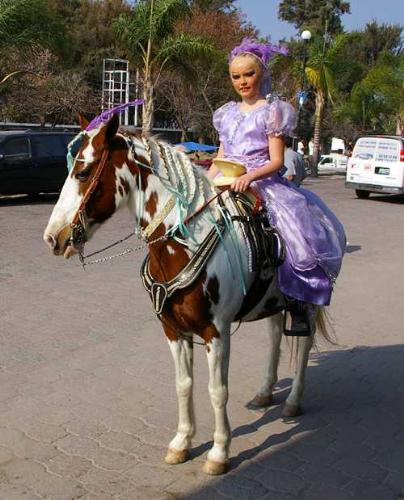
<point>353,248</point>
<point>349,443</point>
<point>397,199</point>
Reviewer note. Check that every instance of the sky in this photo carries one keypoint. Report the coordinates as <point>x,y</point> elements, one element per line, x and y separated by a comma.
<point>264,15</point>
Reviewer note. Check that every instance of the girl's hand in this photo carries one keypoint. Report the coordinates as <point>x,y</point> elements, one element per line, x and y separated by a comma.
<point>242,183</point>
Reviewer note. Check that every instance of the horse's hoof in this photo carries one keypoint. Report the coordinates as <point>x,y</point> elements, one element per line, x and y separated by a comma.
<point>291,410</point>
<point>214,468</point>
<point>174,457</point>
<point>260,401</point>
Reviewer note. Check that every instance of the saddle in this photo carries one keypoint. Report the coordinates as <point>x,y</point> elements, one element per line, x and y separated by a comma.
<point>265,247</point>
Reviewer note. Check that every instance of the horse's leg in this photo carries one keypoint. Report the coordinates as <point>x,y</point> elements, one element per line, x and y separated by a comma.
<point>292,404</point>
<point>275,329</point>
<point>178,449</point>
<point>218,354</point>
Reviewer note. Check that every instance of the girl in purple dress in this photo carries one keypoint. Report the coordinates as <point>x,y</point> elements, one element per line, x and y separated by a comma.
<point>252,132</point>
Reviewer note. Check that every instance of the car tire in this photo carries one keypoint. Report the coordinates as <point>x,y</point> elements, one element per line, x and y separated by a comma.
<point>361,194</point>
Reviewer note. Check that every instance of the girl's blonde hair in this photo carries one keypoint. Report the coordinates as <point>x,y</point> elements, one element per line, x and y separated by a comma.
<point>253,59</point>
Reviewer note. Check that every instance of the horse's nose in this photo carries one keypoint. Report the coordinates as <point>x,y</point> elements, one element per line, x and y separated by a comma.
<point>50,240</point>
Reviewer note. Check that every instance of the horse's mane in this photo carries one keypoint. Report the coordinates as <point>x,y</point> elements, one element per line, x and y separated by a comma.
<point>185,181</point>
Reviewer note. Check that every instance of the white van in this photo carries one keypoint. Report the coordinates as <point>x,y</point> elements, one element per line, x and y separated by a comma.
<point>376,166</point>
<point>334,162</point>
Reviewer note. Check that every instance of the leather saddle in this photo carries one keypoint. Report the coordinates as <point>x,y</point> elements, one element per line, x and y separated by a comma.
<point>264,243</point>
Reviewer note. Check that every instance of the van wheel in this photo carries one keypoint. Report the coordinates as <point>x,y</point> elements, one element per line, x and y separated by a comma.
<point>361,194</point>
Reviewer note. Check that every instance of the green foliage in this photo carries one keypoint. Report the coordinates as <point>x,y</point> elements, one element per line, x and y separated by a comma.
<point>24,23</point>
<point>313,14</point>
<point>377,101</point>
<point>212,5</point>
<point>378,38</point>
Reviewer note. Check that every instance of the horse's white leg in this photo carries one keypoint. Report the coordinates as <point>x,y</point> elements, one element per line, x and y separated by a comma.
<point>218,354</point>
<point>292,404</point>
<point>275,330</point>
<point>178,449</point>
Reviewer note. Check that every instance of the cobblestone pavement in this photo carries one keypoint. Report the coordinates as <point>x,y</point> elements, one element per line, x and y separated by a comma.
<point>87,397</point>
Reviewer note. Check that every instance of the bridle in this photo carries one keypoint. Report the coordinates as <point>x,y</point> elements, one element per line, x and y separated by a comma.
<point>78,224</point>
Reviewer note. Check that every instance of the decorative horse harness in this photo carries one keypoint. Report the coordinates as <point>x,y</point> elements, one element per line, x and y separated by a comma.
<point>265,246</point>
<point>263,242</point>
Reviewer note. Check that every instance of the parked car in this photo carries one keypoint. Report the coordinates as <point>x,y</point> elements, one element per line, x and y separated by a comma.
<point>33,162</point>
<point>376,166</point>
<point>334,162</point>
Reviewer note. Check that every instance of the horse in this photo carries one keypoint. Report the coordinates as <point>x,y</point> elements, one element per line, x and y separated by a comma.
<point>177,210</point>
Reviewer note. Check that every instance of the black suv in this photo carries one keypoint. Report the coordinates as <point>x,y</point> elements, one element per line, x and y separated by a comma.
<point>33,162</point>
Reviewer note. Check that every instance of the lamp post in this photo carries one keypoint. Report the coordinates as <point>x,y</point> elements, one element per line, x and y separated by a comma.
<point>302,94</point>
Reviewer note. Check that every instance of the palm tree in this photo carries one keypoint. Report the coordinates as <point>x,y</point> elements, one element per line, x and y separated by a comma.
<point>149,33</point>
<point>320,74</point>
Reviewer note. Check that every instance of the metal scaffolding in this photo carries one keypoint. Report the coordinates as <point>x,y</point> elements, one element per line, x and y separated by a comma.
<point>116,86</point>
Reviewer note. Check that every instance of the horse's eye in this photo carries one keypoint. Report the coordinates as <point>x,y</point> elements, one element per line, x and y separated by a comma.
<point>82,175</point>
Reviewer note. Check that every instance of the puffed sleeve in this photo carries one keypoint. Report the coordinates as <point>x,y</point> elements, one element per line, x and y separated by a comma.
<point>281,118</point>
<point>218,117</point>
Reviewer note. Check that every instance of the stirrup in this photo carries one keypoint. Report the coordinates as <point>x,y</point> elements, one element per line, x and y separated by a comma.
<point>296,322</point>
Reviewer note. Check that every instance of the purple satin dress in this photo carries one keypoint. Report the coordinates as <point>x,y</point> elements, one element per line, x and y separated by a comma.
<point>314,237</point>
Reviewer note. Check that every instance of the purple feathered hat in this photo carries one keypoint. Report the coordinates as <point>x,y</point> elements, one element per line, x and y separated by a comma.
<point>262,51</point>
<point>108,114</point>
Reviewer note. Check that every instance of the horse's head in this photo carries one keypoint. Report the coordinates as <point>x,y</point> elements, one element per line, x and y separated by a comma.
<point>96,186</point>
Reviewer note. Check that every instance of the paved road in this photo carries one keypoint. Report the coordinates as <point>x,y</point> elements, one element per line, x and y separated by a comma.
<point>87,401</point>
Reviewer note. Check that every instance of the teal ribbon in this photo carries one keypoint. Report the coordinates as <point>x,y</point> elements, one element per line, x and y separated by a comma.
<point>69,156</point>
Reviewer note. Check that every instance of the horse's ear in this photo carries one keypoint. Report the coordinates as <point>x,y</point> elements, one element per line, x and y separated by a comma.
<point>83,122</point>
<point>112,127</point>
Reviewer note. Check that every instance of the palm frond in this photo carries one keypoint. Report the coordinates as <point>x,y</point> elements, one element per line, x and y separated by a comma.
<point>165,15</point>
<point>132,30</point>
<point>329,84</point>
<point>135,29</point>
<point>185,47</point>
<point>313,76</point>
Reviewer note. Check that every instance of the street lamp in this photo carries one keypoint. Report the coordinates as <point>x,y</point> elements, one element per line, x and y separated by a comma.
<point>302,94</point>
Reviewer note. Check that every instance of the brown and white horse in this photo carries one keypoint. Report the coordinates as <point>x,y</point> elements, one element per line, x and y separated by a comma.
<point>114,169</point>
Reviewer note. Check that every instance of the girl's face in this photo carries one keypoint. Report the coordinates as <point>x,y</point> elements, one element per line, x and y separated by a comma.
<point>246,75</point>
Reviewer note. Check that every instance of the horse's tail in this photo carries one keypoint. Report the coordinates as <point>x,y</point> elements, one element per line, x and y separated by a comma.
<point>323,325</point>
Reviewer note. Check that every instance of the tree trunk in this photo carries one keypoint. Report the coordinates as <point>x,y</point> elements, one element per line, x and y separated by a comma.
<point>399,126</point>
<point>317,130</point>
<point>148,90</point>
<point>148,106</point>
